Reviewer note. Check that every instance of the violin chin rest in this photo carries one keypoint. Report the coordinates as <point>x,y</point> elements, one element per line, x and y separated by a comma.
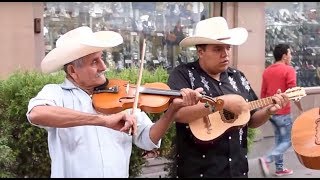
<point>102,86</point>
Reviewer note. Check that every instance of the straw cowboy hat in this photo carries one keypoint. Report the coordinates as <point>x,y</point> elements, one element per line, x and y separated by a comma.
<point>77,43</point>
<point>215,31</point>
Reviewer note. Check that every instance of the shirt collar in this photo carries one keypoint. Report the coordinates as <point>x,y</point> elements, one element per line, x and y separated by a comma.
<point>67,84</point>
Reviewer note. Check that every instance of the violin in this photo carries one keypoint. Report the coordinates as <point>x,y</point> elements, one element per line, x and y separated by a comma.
<point>119,95</point>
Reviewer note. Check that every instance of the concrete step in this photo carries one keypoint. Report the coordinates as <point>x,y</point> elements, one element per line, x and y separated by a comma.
<point>154,168</point>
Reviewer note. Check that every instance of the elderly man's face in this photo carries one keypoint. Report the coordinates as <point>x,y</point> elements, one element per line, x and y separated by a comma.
<point>91,72</point>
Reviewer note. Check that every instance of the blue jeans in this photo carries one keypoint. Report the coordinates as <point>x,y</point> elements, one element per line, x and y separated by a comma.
<point>282,125</point>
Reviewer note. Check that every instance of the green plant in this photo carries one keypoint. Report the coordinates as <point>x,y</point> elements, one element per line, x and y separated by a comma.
<point>26,145</point>
<point>7,159</point>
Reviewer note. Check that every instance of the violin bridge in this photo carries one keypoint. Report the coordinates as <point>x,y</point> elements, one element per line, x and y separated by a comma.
<point>127,89</point>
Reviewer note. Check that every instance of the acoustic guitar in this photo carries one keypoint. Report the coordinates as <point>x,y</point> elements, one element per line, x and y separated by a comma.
<point>215,124</point>
<point>305,137</point>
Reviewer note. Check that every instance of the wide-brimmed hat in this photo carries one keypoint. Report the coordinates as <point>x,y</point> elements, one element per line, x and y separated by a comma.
<point>77,43</point>
<point>215,30</point>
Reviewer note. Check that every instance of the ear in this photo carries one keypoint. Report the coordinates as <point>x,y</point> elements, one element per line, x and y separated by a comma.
<point>71,71</point>
<point>200,51</point>
<point>284,57</point>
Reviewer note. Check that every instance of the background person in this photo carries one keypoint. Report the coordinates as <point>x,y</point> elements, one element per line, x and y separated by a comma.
<point>281,75</point>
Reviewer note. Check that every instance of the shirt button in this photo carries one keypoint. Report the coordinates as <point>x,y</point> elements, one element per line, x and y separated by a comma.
<point>230,159</point>
<point>229,137</point>
<point>192,68</point>
<point>244,173</point>
<point>246,156</point>
<point>201,175</point>
<point>220,83</point>
<point>203,156</point>
<point>177,177</point>
<point>187,127</point>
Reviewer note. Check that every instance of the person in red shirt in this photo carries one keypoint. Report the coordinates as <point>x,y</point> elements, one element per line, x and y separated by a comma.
<point>279,76</point>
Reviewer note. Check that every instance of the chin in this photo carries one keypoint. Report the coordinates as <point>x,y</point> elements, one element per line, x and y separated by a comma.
<point>222,69</point>
<point>102,79</point>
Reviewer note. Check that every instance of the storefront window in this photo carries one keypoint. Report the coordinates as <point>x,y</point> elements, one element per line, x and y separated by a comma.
<point>162,24</point>
<point>297,24</point>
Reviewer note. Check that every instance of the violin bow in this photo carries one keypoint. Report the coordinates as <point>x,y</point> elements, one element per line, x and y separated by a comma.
<point>137,93</point>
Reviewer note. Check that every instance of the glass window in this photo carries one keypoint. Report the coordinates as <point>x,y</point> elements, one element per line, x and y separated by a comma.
<point>297,24</point>
<point>162,24</point>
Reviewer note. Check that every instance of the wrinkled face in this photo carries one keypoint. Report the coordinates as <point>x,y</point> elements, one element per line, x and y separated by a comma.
<point>214,58</point>
<point>90,72</point>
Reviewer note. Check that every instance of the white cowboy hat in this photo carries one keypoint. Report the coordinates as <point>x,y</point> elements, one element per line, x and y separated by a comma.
<point>77,43</point>
<point>215,31</point>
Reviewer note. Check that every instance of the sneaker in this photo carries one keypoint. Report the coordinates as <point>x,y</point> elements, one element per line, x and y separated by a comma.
<point>284,172</point>
<point>264,166</point>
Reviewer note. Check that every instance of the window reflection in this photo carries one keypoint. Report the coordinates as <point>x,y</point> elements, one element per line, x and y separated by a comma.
<point>297,24</point>
<point>162,24</point>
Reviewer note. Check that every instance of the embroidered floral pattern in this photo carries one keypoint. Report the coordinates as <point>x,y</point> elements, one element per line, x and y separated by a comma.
<point>191,78</point>
<point>245,83</point>
<point>205,82</point>
<point>233,83</point>
<point>240,135</point>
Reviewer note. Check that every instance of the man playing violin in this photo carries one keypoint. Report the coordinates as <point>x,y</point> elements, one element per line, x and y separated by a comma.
<point>225,156</point>
<point>81,141</point>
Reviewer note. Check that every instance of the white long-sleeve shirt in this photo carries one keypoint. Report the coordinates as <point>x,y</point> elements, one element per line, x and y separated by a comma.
<point>88,151</point>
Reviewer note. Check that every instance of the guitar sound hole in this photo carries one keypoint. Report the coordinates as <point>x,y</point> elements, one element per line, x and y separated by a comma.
<point>228,115</point>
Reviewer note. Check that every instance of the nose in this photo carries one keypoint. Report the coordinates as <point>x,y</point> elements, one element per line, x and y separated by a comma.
<point>225,52</point>
<point>102,66</point>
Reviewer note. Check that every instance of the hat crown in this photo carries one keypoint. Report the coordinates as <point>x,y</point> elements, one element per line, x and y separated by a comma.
<point>214,28</point>
<point>73,36</point>
<point>78,43</point>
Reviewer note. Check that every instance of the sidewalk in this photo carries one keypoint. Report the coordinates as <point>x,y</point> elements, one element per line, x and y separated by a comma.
<point>156,165</point>
<point>291,161</point>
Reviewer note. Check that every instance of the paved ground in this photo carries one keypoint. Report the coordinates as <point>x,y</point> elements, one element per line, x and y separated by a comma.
<point>155,168</point>
<point>291,161</point>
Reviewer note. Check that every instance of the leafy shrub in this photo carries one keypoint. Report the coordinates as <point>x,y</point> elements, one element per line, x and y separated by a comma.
<point>27,143</point>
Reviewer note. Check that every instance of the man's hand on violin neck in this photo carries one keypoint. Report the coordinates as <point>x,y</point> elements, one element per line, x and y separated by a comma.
<point>190,97</point>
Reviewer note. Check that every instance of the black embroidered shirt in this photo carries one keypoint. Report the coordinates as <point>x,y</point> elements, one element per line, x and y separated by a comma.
<point>225,156</point>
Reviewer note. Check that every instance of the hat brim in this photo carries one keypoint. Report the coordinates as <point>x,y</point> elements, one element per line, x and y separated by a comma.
<point>237,36</point>
<point>59,56</point>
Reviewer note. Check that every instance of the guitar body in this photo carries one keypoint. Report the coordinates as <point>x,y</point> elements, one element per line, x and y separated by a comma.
<point>305,132</point>
<point>216,124</point>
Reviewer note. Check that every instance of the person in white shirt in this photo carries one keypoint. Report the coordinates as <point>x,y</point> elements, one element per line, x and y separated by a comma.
<point>83,142</point>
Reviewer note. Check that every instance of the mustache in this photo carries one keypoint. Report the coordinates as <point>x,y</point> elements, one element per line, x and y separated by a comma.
<point>100,73</point>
